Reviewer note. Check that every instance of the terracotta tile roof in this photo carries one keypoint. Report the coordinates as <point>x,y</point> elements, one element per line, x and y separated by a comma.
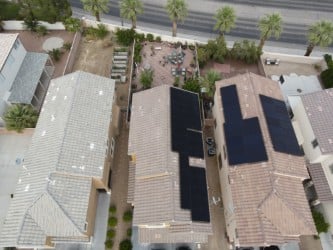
<point>268,197</point>
<point>319,179</point>
<point>156,185</point>
<point>319,109</point>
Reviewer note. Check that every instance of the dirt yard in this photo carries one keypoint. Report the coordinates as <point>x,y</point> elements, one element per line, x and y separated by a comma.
<point>95,56</point>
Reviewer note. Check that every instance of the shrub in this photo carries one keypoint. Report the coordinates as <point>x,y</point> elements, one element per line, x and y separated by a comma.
<point>328,60</point>
<point>146,78</point>
<point>150,37</point>
<point>327,78</point>
<point>67,46</point>
<point>72,24</point>
<point>139,37</point>
<point>41,30</point>
<point>221,50</point>
<point>55,54</point>
<point>125,245</point>
<point>192,85</point>
<point>102,31</point>
<point>127,216</point>
<point>31,24</point>
<point>202,57</point>
<point>158,39</point>
<point>19,117</point>
<point>111,233</point>
<point>9,10</point>
<point>129,232</point>
<point>109,243</point>
<point>319,220</point>
<point>113,209</point>
<point>177,81</point>
<point>246,51</point>
<point>112,221</point>
<point>125,37</point>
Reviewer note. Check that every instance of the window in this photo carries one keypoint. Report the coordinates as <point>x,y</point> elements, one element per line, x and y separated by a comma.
<point>220,161</point>
<point>112,146</point>
<point>314,143</point>
<point>85,226</point>
<point>10,60</point>
<point>215,123</point>
<point>224,152</point>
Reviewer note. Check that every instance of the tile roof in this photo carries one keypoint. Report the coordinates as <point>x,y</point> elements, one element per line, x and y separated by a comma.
<point>319,179</point>
<point>319,109</point>
<point>156,185</point>
<point>67,150</point>
<point>6,44</point>
<point>26,81</point>
<point>261,192</point>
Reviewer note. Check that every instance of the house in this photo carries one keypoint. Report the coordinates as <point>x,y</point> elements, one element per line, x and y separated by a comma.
<point>66,165</point>
<point>167,183</point>
<point>313,123</point>
<point>24,76</point>
<point>261,167</point>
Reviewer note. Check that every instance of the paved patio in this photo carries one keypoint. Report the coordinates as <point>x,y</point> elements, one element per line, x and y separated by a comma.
<point>153,57</point>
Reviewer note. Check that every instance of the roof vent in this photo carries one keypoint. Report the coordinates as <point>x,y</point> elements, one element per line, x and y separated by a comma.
<point>100,92</point>
<point>52,118</point>
<point>91,146</point>
<point>54,97</point>
<point>330,141</point>
<point>65,97</point>
<point>27,188</point>
<point>320,109</point>
<point>43,133</point>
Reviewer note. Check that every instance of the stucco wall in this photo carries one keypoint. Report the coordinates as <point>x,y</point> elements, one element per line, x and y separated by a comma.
<point>18,25</point>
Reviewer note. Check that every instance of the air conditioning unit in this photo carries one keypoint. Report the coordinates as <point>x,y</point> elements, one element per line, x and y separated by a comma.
<point>308,184</point>
<point>315,203</point>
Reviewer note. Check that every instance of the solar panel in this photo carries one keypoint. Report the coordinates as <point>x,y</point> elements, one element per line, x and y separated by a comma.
<point>243,137</point>
<point>186,137</point>
<point>279,126</point>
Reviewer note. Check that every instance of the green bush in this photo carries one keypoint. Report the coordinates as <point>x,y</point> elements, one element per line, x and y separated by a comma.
<point>111,233</point>
<point>113,209</point>
<point>41,30</point>
<point>245,51</point>
<point>158,39</point>
<point>128,216</point>
<point>328,60</point>
<point>109,243</point>
<point>150,37</point>
<point>31,24</point>
<point>192,85</point>
<point>9,10</point>
<point>137,52</point>
<point>139,38</point>
<point>55,54</point>
<point>125,245</point>
<point>129,232</point>
<point>202,57</point>
<point>72,24</point>
<point>146,78</point>
<point>327,78</point>
<point>67,46</point>
<point>319,220</point>
<point>112,221</point>
<point>125,37</point>
<point>102,31</point>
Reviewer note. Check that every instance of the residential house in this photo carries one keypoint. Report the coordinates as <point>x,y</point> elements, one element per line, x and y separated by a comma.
<point>24,76</point>
<point>261,167</point>
<point>66,165</point>
<point>167,183</point>
<point>313,124</point>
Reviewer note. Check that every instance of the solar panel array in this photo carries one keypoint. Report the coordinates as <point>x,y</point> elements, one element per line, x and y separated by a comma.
<point>243,137</point>
<point>279,126</point>
<point>186,137</point>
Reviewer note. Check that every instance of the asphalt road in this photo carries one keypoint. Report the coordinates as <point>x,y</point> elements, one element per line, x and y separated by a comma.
<point>201,21</point>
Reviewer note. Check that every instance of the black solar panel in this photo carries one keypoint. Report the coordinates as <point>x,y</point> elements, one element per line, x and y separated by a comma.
<point>243,137</point>
<point>279,126</point>
<point>186,139</point>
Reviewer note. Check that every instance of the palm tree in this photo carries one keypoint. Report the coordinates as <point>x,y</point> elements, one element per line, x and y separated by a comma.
<point>177,11</point>
<point>96,7</point>
<point>268,26</point>
<point>19,117</point>
<point>129,9</point>
<point>320,33</point>
<point>208,81</point>
<point>225,19</point>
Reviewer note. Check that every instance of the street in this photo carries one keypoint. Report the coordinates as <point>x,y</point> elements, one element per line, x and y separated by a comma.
<point>200,17</point>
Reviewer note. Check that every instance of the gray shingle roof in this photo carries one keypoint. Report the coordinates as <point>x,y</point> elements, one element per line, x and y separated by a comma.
<point>265,209</point>
<point>156,185</point>
<point>53,190</point>
<point>27,78</point>
<point>319,109</point>
<point>320,182</point>
<point>6,44</point>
